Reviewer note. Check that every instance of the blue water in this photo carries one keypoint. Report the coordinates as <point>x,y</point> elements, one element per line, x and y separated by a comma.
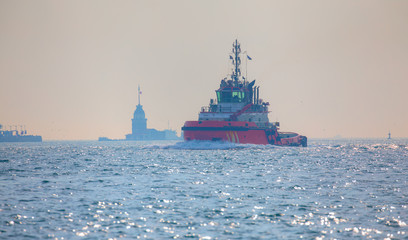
<point>355,189</point>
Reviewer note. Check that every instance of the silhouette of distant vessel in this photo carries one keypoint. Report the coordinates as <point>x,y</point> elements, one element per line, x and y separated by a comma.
<point>17,136</point>
<point>140,132</point>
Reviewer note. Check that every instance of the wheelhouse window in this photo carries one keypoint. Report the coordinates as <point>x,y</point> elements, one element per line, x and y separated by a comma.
<point>226,95</point>
<point>238,96</point>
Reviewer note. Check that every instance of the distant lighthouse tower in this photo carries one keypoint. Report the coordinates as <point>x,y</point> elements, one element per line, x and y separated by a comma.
<point>389,135</point>
<point>139,121</point>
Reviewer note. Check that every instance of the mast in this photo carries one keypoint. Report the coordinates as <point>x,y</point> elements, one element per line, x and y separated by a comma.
<point>138,94</point>
<point>236,49</point>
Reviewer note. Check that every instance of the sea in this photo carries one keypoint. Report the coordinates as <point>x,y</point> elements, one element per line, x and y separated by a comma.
<point>332,189</point>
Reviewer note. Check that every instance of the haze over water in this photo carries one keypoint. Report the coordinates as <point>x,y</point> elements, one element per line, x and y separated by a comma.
<point>70,70</point>
<point>333,189</point>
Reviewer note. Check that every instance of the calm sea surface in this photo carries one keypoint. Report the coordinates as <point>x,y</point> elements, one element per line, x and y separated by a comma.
<point>333,189</point>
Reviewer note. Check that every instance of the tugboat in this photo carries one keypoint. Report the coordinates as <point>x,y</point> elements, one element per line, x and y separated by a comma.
<point>238,115</point>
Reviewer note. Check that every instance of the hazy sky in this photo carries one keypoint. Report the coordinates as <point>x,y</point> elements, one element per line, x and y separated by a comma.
<point>70,69</point>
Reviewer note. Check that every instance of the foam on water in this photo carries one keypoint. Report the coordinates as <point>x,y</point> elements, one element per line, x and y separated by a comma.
<point>207,145</point>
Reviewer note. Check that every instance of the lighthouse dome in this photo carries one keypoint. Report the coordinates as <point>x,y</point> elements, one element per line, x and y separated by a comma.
<point>139,112</point>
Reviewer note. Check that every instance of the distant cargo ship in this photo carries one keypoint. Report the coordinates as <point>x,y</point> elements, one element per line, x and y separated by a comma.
<point>17,136</point>
<point>238,114</point>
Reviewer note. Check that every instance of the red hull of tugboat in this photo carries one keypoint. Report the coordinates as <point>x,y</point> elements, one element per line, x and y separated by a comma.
<point>239,132</point>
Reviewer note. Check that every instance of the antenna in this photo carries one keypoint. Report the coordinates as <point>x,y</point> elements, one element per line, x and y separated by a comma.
<point>246,67</point>
<point>138,94</point>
